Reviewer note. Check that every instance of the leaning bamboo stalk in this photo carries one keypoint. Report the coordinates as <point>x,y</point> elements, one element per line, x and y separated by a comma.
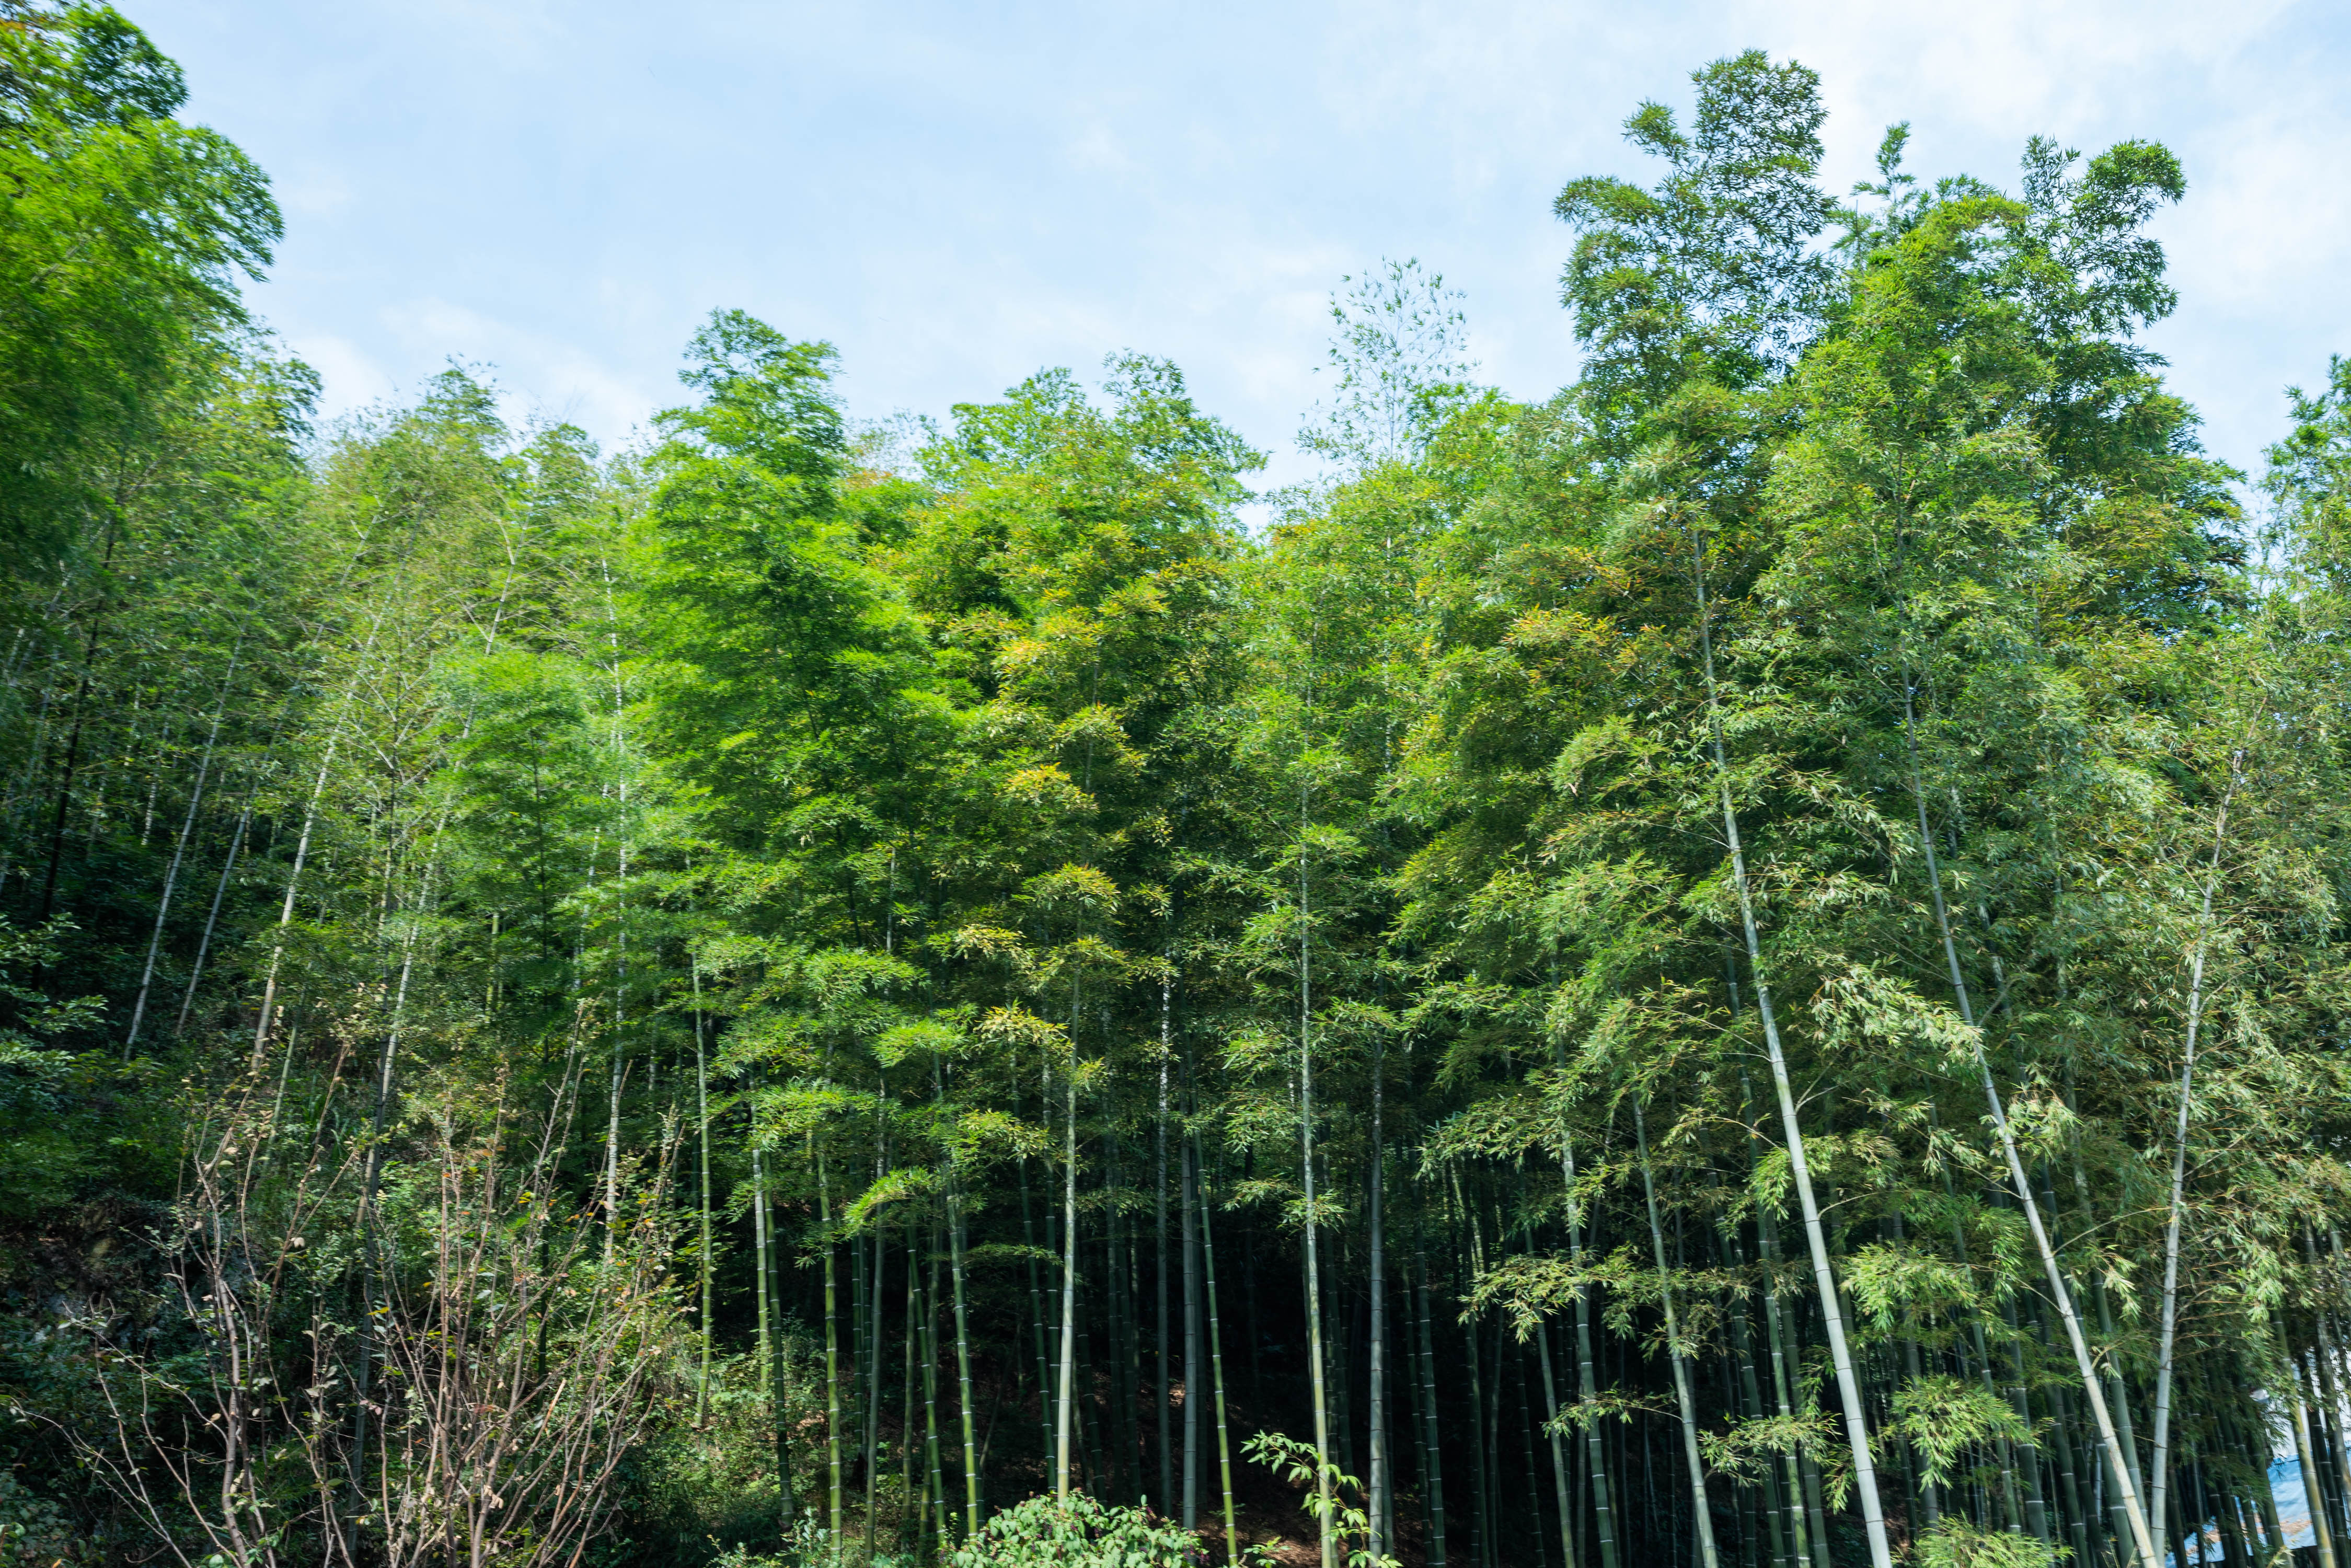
<point>212,916</point>
<point>1559,1467</point>
<point>1703,1514</point>
<point>302,843</point>
<point>180,850</point>
<point>2167,1334</point>
<point>1881,1553</point>
<point>2313,1488</point>
<point>2127,1493</point>
<point>1216,1366</point>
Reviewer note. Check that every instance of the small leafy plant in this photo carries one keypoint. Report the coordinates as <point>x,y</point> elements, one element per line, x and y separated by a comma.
<point>1078,1532</point>
<point>1350,1527</point>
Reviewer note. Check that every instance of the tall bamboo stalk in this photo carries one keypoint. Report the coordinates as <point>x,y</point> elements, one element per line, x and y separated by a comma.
<point>873,1328</point>
<point>1159,1272</point>
<point>917,1503</point>
<point>2118,1459</point>
<point>771,1366</point>
<point>1323,1501</point>
<point>824,1218</point>
<point>2167,1334</point>
<point>1037,1315</point>
<point>617,1071</point>
<point>1560,1484</point>
<point>1865,1470</point>
<point>2313,1485</point>
<point>701,1123</point>
<point>1675,1353</point>
<point>1435,1481</point>
<point>1587,1375</point>
<point>302,845</point>
<point>934,1488</point>
<point>212,916</point>
<point>1192,1196</point>
<point>963,1349</point>
<point>180,850</point>
<point>1216,1364</point>
<point>1382,1499</point>
<point>1069,1369</point>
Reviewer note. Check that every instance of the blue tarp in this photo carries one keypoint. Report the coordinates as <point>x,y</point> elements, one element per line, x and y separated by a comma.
<point>2293,1512</point>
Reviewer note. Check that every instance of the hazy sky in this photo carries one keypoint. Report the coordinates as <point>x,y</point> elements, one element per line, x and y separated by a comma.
<point>957,195</point>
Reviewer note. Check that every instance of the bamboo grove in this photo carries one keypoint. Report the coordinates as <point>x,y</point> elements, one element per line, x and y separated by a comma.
<point>1741,966</point>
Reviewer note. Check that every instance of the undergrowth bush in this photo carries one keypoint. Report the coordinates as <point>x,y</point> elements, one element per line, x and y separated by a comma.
<point>1078,1533</point>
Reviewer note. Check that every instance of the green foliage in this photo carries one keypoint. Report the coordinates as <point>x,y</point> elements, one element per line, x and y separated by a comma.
<point>948,847</point>
<point>1078,1532</point>
<point>1296,1462</point>
<point>1956,1543</point>
<point>119,249</point>
<point>1943,1417</point>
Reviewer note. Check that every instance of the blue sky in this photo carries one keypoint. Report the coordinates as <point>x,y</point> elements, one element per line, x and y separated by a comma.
<point>957,195</point>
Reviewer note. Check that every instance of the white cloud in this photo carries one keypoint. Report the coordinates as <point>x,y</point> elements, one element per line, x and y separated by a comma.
<point>958,196</point>
<point>349,378</point>
<point>312,193</point>
<point>538,376</point>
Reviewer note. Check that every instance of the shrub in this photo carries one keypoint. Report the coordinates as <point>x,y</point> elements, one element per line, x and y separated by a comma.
<point>1078,1533</point>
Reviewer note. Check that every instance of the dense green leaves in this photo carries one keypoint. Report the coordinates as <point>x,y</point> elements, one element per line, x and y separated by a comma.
<point>1638,971</point>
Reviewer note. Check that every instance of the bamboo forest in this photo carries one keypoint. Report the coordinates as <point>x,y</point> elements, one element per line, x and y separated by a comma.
<point>1739,966</point>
